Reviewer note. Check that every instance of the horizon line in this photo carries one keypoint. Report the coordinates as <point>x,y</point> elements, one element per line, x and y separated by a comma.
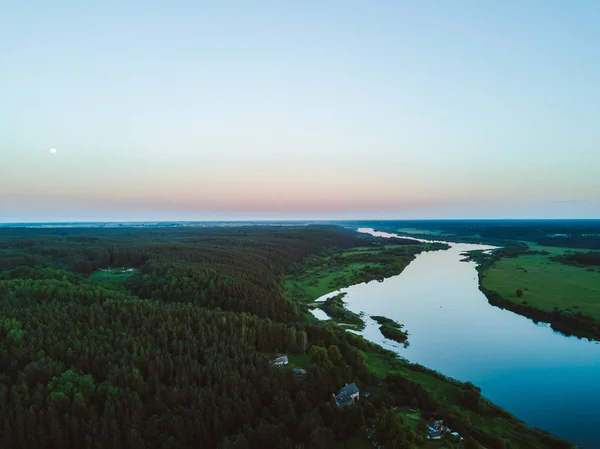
<point>300,220</point>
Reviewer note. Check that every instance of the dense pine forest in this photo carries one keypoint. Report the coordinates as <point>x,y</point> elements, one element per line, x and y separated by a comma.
<point>176,355</point>
<point>162,338</point>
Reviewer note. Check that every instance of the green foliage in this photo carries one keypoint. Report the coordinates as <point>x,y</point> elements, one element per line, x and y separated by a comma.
<point>13,329</point>
<point>71,383</point>
<point>336,309</point>
<point>391,329</point>
<point>318,355</point>
<point>579,259</point>
<point>471,443</point>
<point>175,356</point>
<point>391,431</point>
<point>172,357</point>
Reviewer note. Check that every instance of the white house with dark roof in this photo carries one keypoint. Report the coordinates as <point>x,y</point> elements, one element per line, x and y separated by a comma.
<point>279,361</point>
<point>348,394</point>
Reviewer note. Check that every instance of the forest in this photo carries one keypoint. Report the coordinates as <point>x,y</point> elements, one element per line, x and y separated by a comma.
<point>565,233</point>
<point>579,259</point>
<point>175,353</point>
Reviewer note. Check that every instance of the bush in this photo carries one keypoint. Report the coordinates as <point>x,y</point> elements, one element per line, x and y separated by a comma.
<point>470,443</point>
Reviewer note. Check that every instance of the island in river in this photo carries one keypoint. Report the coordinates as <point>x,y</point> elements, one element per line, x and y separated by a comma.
<point>391,329</point>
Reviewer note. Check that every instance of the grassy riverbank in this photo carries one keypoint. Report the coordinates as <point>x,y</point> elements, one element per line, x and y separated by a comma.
<point>415,394</point>
<point>460,405</point>
<point>548,271</point>
<point>535,283</point>
<point>335,308</point>
<point>398,385</point>
<point>546,284</point>
<point>322,274</point>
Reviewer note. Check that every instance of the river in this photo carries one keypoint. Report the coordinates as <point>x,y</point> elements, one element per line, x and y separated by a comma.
<point>544,378</point>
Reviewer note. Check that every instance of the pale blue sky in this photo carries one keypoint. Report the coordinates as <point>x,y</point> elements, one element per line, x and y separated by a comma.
<point>299,109</point>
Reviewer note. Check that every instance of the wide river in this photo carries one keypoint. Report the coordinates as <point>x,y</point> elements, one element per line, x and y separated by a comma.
<point>544,378</point>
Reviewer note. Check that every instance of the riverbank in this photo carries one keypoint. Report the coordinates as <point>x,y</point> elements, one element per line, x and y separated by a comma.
<point>335,309</point>
<point>462,407</point>
<point>568,233</point>
<point>328,272</point>
<point>399,383</point>
<point>535,284</point>
<point>550,284</point>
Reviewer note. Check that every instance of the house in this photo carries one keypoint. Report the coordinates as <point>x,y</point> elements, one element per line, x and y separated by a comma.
<point>434,424</point>
<point>347,395</point>
<point>436,435</point>
<point>436,429</point>
<point>280,361</point>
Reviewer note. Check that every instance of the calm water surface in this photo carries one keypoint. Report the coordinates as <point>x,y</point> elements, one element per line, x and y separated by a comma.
<point>319,314</point>
<point>544,378</point>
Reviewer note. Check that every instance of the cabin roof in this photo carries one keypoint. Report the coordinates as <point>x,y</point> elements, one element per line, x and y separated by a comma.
<point>349,389</point>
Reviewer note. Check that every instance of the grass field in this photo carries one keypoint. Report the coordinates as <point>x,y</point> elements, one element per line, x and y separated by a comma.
<point>545,284</point>
<point>326,276</point>
<point>325,279</point>
<point>409,415</point>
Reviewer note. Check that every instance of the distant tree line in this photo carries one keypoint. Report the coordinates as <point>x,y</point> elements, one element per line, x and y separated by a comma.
<point>579,259</point>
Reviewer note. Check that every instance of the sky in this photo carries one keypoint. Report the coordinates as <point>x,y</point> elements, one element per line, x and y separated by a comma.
<point>288,110</point>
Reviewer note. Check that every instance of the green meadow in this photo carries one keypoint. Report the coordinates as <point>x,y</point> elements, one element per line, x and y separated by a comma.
<point>327,277</point>
<point>546,284</point>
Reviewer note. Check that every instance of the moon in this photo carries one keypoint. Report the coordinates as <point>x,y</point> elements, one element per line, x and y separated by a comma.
<point>53,150</point>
